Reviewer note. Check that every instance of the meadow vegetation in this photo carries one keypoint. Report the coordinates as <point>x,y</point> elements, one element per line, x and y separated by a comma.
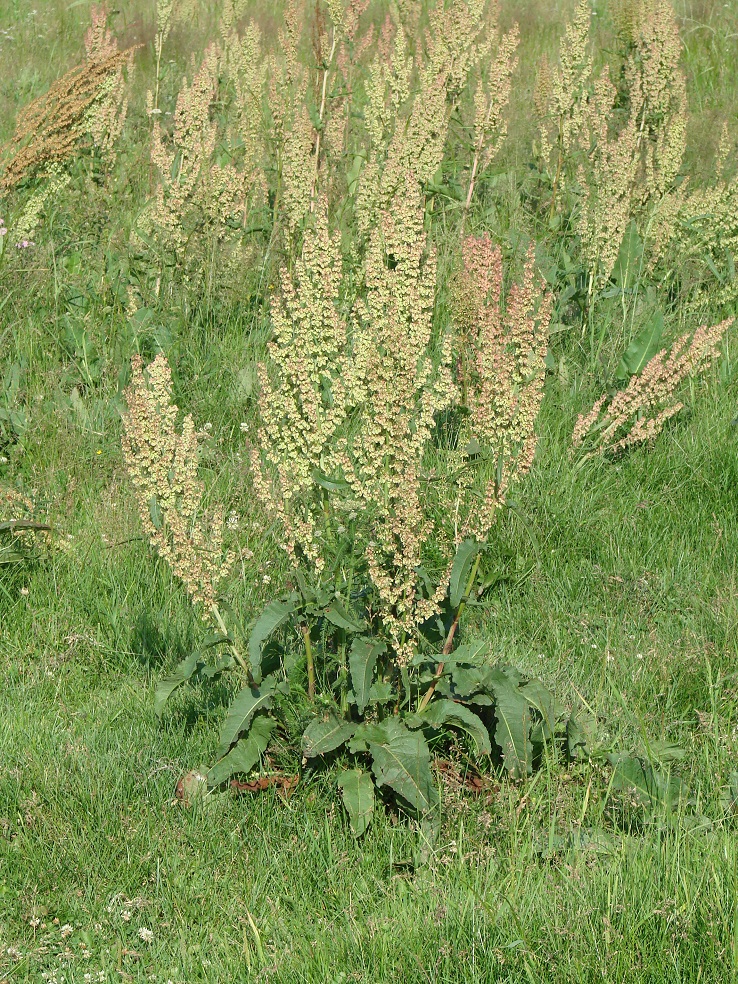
<point>368,468</point>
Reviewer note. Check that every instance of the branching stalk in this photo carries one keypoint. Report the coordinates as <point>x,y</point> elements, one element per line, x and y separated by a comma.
<point>321,115</point>
<point>234,648</point>
<point>450,637</point>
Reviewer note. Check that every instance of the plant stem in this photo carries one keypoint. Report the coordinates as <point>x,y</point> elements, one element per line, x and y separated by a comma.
<point>475,166</point>
<point>234,648</point>
<point>451,633</point>
<point>559,165</point>
<point>310,661</point>
<point>321,117</point>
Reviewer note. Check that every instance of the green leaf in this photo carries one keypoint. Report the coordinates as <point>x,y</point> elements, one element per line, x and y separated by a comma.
<point>650,786</point>
<point>579,734</point>
<point>249,702</point>
<point>455,715</point>
<point>352,177</point>
<point>244,755</point>
<point>664,752</point>
<point>183,671</point>
<point>166,687</point>
<point>157,516</point>
<point>642,349</point>
<point>358,798</point>
<point>465,680</point>
<point>381,692</point>
<point>628,264</point>
<point>543,701</point>
<point>323,736</point>
<point>463,561</point>
<point>362,663</point>
<point>400,760</point>
<point>513,721</point>
<point>274,615</point>
<point>331,484</point>
<point>10,556</point>
<point>338,615</point>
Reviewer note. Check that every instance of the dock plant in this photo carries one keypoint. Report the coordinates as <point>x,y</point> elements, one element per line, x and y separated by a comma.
<point>384,510</point>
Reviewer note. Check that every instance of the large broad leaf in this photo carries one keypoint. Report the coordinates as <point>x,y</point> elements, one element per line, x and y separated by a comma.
<point>400,760</point>
<point>358,798</point>
<point>244,755</point>
<point>362,663</point>
<point>454,715</point>
<point>249,702</point>
<point>642,349</point>
<point>544,702</point>
<point>185,670</point>
<point>166,687</point>
<point>581,734</point>
<point>641,781</point>
<point>470,654</point>
<point>323,736</point>
<point>338,615</point>
<point>629,262</point>
<point>382,692</point>
<point>465,556</point>
<point>274,615</point>
<point>513,722</point>
<point>464,681</point>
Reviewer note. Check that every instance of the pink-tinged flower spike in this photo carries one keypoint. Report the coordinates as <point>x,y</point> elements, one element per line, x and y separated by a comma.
<point>638,413</point>
<point>507,341</point>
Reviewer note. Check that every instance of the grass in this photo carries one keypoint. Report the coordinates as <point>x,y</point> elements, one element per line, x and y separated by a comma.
<point>620,591</point>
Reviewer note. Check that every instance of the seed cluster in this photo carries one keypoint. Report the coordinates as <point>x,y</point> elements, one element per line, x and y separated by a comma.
<point>162,462</point>
<point>639,412</point>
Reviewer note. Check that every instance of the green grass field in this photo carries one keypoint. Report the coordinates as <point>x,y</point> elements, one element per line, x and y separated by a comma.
<point>619,590</point>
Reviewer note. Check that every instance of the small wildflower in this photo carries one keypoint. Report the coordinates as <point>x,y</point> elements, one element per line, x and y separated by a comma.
<point>145,934</point>
<point>66,930</point>
<point>243,426</point>
<point>126,915</point>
